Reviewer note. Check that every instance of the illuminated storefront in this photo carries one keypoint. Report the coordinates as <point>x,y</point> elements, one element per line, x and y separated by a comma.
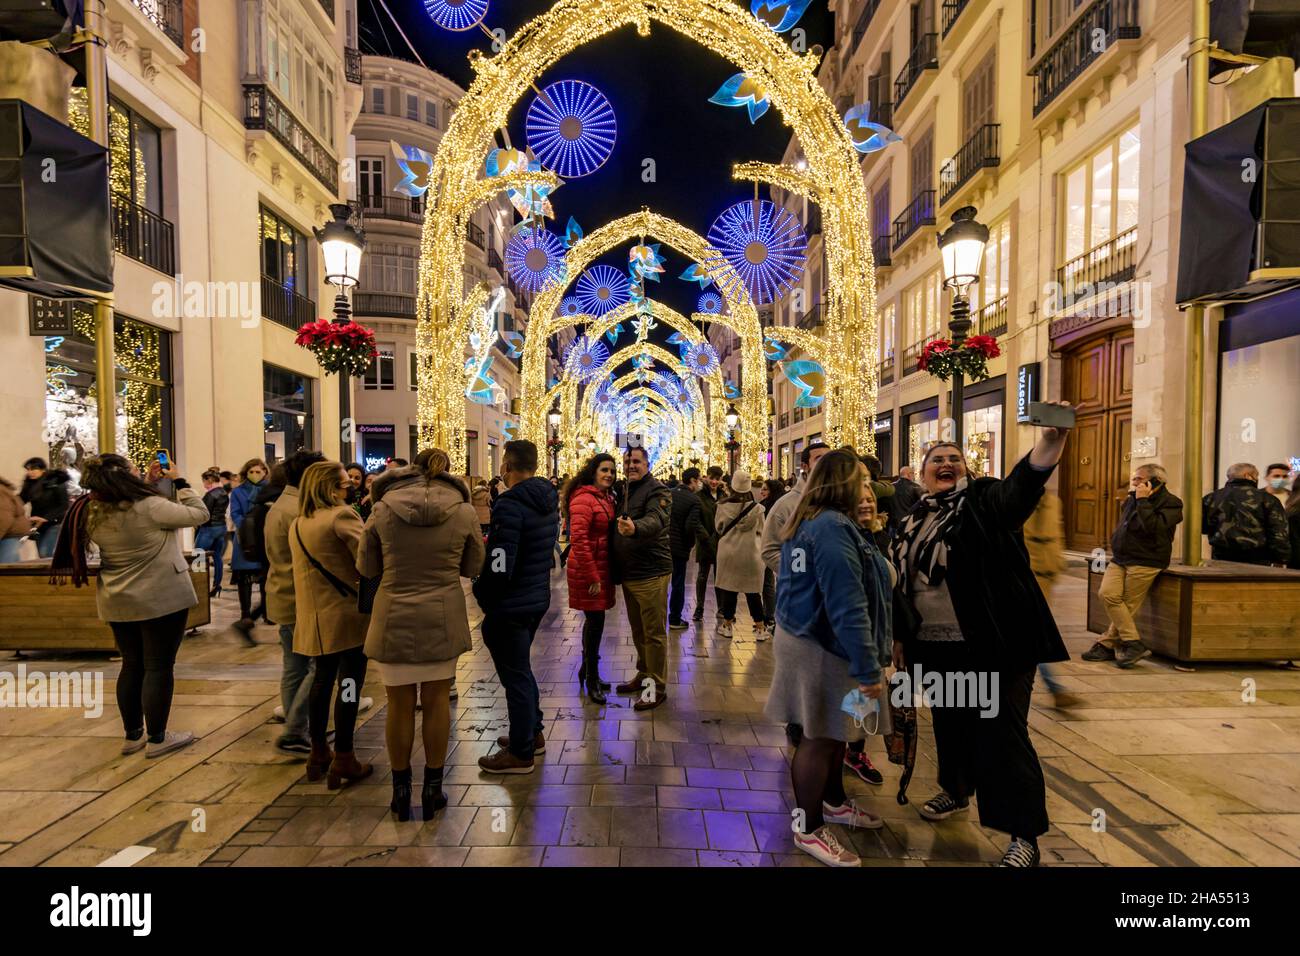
<point>287,419</point>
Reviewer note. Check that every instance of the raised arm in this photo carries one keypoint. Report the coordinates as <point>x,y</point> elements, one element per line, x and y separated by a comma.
<point>187,511</point>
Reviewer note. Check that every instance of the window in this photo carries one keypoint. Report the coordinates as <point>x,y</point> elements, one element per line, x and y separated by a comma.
<point>1101,196</point>
<point>134,157</point>
<point>389,267</point>
<point>921,163</point>
<point>924,300</point>
<point>287,421</point>
<point>1047,17</point>
<point>978,99</point>
<point>379,376</point>
<point>301,73</point>
<point>284,252</point>
<point>413,369</point>
<point>888,317</point>
<point>412,107</point>
<point>995,274</point>
<point>377,95</point>
<point>881,221</point>
<point>371,184</point>
<point>431,113</point>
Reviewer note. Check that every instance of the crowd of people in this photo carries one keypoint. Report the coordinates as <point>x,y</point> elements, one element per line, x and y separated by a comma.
<point>846,573</point>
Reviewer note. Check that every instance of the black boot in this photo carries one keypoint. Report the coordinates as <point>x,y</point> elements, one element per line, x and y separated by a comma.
<point>401,804</point>
<point>432,799</point>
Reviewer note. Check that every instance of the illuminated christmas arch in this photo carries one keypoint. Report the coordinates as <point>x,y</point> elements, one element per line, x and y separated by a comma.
<point>832,179</point>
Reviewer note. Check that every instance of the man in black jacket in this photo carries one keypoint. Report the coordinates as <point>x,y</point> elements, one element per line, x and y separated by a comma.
<point>1140,547</point>
<point>642,561</point>
<point>1244,522</point>
<point>906,493</point>
<point>514,591</point>
<point>706,536</point>
<point>683,525</point>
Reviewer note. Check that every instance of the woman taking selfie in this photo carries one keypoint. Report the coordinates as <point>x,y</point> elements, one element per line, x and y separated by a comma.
<point>589,505</point>
<point>832,644</point>
<point>961,558</point>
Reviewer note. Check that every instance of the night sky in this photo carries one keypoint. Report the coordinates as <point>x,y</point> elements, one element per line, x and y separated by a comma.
<point>659,87</point>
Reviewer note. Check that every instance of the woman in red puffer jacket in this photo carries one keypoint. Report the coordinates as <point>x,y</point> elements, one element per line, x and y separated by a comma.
<point>589,503</point>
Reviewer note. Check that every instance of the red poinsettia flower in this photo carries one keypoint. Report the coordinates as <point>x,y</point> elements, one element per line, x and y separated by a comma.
<point>985,344</point>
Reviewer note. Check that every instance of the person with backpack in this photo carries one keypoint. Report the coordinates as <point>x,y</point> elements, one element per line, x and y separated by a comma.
<point>739,523</point>
<point>244,562</point>
<point>1244,522</point>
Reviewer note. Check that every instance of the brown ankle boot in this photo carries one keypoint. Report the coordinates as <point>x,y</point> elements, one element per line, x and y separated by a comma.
<point>346,767</point>
<point>319,761</point>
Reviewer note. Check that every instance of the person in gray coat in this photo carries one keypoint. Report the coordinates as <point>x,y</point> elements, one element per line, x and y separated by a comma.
<point>143,588</point>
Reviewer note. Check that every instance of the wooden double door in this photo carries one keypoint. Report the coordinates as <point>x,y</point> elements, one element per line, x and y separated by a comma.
<point>1095,470</point>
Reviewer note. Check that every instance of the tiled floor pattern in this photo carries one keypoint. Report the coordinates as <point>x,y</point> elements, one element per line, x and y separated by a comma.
<point>1153,767</point>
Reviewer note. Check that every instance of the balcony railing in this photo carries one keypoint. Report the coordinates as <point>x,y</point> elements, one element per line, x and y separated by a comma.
<point>393,207</point>
<point>978,152</point>
<point>1112,262</point>
<point>882,113</point>
<point>919,213</point>
<point>384,305</point>
<point>885,373</point>
<point>143,235</point>
<point>924,57</point>
<point>880,251</point>
<point>1077,48</point>
<point>284,306</point>
<point>167,15</point>
<point>494,261</point>
<point>812,319</point>
<point>352,64</point>
<point>912,354</point>
<point>476,236</point>
<point>992,319</point>
<point>263,110</point>
<point>869,9</point>
<point>951,11</point>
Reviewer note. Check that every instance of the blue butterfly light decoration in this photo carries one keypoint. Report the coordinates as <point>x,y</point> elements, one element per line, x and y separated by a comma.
<point>868,137</point>
<point>780,15</point>
<point>740,91</point>
<point>697,273</point>
<point>774,350</point>
<point>809,378</point>
<point>415,164</point>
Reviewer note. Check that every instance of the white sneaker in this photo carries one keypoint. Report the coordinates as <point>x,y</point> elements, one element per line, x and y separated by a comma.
<point>172,740</point>
<point>761,633</point>
<point>454,693</point>
<point>365,704</point>
<point>134,746</point>
<point>724,629</point>
<point>822,845</point>
<point>850,816</point>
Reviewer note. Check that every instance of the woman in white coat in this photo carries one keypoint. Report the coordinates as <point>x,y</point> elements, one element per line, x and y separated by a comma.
<point>739,523</point>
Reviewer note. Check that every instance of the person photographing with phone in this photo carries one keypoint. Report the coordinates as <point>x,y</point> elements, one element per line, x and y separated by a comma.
<point>1140,547</point>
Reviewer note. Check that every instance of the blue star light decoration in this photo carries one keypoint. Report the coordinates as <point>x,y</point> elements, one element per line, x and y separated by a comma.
<point>868,137</point>
<point>730,389</point>
<point>570,306</point>
<point>535,258</point>
<point>780,15</point>
<point>585,357</point>
<point>415,165</point>
<point>482,389</point>
<point>613,334</point>
<point>457,15</point>
<point>571,128</point>
<point>710,303</point>
<point>740,91</point>
<point>766,249</point>
<point>509,429</point>
<point>514,342</point>
<point>697,273</point>
<point>533,201</point>
<point>809,378</point>
<point>602,289</point>
<point>645,262</point>
<point>682,342</point>
<point>701,359</point>
<point>572,233</point>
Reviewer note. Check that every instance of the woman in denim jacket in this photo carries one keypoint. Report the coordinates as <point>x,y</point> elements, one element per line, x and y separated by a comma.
<point>833,637</point>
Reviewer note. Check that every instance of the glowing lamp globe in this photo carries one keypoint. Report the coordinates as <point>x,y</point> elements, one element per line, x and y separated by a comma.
<point>342,245</point>
<point>962,248</point>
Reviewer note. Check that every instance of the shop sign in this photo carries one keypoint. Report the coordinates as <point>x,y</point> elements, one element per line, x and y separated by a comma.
<point>49,316</point>
<point>1027,380</point>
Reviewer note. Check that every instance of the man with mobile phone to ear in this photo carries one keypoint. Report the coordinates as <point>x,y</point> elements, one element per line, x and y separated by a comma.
<point>1140,549</point>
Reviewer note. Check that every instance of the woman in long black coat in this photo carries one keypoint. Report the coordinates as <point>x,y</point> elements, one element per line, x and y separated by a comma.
<point>979,615</point>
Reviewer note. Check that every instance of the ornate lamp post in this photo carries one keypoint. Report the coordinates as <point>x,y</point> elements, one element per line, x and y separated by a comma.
<point>553,418</point>
<point>732,446</point>
<point>342,245</point>
<point>962,248</point>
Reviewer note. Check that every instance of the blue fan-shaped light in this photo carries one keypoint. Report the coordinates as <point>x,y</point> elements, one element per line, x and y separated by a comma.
<point>701,359</point>
<point>571,128</point>
<point>585,358</point>
<point>710,303</point>
<point>456,14</point>
<point>766,251</point>
<point>570,306</point>
<point>534,257</point>
<point>602,289</point>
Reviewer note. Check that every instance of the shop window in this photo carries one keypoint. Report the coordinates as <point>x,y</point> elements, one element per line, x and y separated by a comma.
<point>380,375</point>
<point>983,431</point>
<point>287,418</point>
<point>134,157</point>
<point>284,252</point>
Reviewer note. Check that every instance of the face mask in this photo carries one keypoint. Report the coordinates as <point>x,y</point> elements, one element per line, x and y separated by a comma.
<point>1277,484</point>
<point>859,706</point>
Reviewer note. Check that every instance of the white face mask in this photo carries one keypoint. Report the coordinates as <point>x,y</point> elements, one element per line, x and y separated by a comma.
<point>1278,484</point>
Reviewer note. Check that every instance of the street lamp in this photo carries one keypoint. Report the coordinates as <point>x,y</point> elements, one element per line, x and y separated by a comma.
<point>342,244</point>
<point>553,418</point>
<point>733,417</point>
<point>962,249</point>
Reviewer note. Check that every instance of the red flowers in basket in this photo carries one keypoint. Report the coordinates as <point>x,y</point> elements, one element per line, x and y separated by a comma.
<point>346,348</point>
<point>942,360</point>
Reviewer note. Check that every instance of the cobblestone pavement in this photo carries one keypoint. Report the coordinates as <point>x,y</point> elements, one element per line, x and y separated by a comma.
<point>1152,766</point>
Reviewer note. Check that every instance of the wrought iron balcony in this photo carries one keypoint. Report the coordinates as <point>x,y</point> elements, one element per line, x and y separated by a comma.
<point>285,307</point>
<point>494,261</point>
<point>880,251</point>
<point>992,319</point>
<point>1109,263</point>
<point>924,57</point>
<point>167,15</point>
<point>390,305</point>
<point>951,11</point>
<point>885,372</point>
<point>401,208</point>
<point>919,213</point>
<point>352,64</point>
<point>978,152</point>
<point>1078,48</point>
<point>143,235</point>
<point>883,113</point>
<point>476,235</point>
<point>868,11</point>
<point>263,110</point>
<point>912,354</point>
<point>812,319</point>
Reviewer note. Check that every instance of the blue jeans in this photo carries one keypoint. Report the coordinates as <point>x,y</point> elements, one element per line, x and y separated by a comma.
<point>295,685</point>
<point>509,639</point>
<point>9,550</point>
<point>212,539</point>
<point>677,589</point>
<point>48,538</point>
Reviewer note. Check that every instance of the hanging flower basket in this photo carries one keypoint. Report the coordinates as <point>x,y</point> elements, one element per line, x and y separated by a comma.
<point>941,360</point>
<point>348,348</point>
<point>553,445</point>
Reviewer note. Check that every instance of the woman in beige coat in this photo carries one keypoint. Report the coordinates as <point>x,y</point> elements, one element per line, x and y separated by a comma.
<point>739,521</point>
<point>14,523</point>
<point>143,589</point>
<point>328,627</point>
<point>422,537</point>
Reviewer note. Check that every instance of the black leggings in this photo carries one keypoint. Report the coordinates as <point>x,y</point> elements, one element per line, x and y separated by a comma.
<point>349,665</point>
<point>815,772</point>
<point>727,605</point>
<point>145,683</point>
<point>244,581</point>
<point>593,627</point>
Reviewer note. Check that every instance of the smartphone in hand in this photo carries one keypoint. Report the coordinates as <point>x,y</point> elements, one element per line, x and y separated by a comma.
<point>1048,415</point>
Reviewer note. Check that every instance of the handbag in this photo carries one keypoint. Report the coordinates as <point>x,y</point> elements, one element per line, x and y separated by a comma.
<point>366,587</point>
<point>736,520</point>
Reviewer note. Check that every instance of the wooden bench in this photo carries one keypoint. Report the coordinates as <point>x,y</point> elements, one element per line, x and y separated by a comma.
<point>38,616</point>
<point>1222,611</point>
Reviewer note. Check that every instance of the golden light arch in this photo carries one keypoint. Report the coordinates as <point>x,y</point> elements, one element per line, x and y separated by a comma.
<point>832,179</point>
